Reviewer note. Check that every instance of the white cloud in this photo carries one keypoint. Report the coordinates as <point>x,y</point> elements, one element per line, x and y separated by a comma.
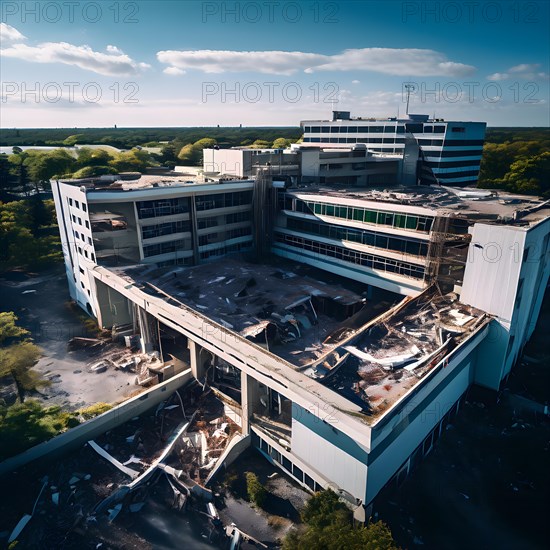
<point>221,61</point>
<point>173,71</point>
<point>402,62</point>
<point>498,76</point>
<point>524,68</point>
<point>10,35</point>
<point>525,71</point>
<point>112,63</point>
<point>355,82</point>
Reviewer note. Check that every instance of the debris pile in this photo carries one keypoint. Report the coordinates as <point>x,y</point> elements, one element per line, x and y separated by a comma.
<point>387,359</point>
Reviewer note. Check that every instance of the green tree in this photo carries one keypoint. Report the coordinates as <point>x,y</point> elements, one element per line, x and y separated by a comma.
<point>530,175</point>
<point>281,143</point>
<point>17,362</point>
<point>261,144</point>
<point>8,181</point>
<point>9,328</point>
<point>131,161</point>
<point>329,526</point>
<point>189,155</point>
<point>92,157</point>
<point>43,166</point>
<point>23,425</point>
<point>256,491</point>
<point>71,141</point>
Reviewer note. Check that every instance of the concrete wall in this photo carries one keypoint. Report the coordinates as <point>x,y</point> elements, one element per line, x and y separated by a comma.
<point>77,436</point>
<point>326,449</point>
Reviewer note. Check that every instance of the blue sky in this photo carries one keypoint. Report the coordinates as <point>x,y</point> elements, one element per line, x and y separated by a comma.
<point>171,63</point>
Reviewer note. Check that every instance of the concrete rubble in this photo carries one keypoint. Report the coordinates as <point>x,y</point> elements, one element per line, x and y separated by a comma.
<point>163,446</point>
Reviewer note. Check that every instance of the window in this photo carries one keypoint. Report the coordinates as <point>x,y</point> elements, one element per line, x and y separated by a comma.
<point>82,237</point>
<point>79,221</point>
<point>81,270</point>
<point>77,205</point>
<point>84,207</point>
<point>93,257</point>
<point>70,201</point>
<point>90,241</point>
<point>87,224</point>
<point>80,251</point>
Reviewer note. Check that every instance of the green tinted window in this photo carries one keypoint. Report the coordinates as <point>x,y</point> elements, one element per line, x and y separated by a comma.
<point>412,222</point>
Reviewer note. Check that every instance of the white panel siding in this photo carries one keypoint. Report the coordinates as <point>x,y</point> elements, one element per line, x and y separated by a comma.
<point>492,269</point>
<point>347,472</point>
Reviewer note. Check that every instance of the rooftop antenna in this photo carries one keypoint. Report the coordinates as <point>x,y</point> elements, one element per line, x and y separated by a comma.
<point>409,88</point>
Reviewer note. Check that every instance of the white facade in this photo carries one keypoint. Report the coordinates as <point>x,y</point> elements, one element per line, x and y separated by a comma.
<point>506,275</point>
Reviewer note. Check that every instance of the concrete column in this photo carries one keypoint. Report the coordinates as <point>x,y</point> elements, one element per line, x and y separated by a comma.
<point>245,398</point>
<point>197,359</point>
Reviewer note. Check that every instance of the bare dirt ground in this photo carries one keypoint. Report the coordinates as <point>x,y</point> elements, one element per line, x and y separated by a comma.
<point>42,305</point>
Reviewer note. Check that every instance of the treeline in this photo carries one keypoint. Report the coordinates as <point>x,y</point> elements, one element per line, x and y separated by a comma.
<point>517,161</point>
<point>29,237</point>
<point>127,138</point>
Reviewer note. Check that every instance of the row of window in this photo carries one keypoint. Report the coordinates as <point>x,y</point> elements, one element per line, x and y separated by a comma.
<point>289,466</point>
<point>451,154</point>
<point>337,233</point>
<point>76,204</point>
<point>452,164</point>
<point>152,231</point>
<point>378,217</point>
<point>222,200</point>
<point>84,253</point>
<point>387,129</point>
<point>79,221</point>
<point>353,256</point>
<point>166,248</point>
<point>82,237</point>
<point>344,129</point>
<point>457,174</point>
<point>236,217</point>
<point>237,247</point>
<point>230,234</point>
<point>391,140</point>
<point>451,142</point>
<point>162,207</point>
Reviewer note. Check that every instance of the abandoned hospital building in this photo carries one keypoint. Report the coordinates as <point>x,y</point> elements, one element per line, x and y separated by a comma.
<point>340,298</point>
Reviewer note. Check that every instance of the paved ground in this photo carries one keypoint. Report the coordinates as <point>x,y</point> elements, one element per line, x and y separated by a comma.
<point>42,305</point>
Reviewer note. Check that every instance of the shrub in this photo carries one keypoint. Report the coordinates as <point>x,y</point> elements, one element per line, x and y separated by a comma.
<point>257,493</point>
<point>94,410</point>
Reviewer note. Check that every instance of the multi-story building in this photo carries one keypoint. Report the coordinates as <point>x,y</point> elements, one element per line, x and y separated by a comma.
<point>351,165</point>
<point>343,355</point>
<point>450,151</point>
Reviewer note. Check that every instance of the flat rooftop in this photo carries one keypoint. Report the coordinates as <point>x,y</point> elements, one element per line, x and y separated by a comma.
<point>471,204</point>
<point>295,311</point>
<point>144,181</point>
